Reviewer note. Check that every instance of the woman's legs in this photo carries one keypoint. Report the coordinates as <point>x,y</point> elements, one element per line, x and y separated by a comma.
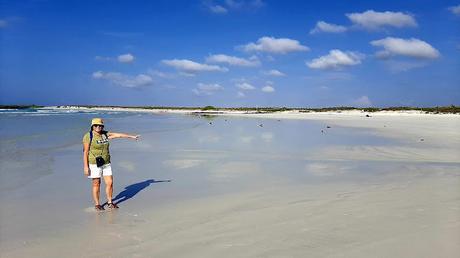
<point>96,190</point>
<point>108,187</point>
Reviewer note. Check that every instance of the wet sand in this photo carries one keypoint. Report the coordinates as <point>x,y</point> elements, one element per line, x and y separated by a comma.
<point>228,187</point>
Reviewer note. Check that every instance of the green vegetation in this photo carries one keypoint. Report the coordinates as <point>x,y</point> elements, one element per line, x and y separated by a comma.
<point>19,106</point>
<point>208,108</point>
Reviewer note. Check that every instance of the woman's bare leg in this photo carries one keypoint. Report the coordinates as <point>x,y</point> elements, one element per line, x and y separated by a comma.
<point>96,190</point>
<point>108,187</point>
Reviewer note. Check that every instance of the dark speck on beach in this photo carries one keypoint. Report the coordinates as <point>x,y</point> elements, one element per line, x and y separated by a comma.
<point>328,127</point>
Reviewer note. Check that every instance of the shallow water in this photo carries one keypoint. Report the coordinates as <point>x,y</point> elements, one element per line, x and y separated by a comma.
<point>180,157</point>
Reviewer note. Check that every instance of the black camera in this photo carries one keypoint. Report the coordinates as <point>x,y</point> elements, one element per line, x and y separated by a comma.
<point>100,161</point>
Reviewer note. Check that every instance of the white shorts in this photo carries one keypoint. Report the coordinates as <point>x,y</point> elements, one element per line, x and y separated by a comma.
<point>97,172</point>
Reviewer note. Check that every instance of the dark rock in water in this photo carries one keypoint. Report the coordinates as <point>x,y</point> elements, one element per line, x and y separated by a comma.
<point>422,140</point>
<point>210,123</point>
<point>328,127</point>
<point>278,120</point>
<point>261,125</point>
<point>322,131</point>
<point>368,116</point>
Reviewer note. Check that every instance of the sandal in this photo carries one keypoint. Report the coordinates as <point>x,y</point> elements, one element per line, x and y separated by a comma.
<point>99,208</point>
<point>112,206</point>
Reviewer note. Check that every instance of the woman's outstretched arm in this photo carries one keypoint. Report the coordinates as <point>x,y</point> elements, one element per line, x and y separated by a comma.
<point>113,135</point>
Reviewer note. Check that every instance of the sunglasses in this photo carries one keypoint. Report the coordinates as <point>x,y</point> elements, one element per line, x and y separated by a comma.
<point>98,126</point>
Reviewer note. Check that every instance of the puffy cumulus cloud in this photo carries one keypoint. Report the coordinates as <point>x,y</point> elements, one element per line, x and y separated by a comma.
<point>190,67</point>
<point>124,80</point>
<point>454,9</point>
<point>274,72</point>
<point>371,19</point>
<point>336,59</point>
<point>126,58</point>
<point>233,60</point>
<point>274,45</point>
<point>268,89</point>
<point>405,47</point>
<point>245,86</point>
<point>322,26</point>
<point>362,101</point>
<point>207,89</point>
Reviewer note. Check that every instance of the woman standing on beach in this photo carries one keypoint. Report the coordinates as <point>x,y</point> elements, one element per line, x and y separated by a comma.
<point>96,160</point>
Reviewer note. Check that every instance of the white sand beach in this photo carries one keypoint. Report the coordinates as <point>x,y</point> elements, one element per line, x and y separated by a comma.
<point>285,184</point>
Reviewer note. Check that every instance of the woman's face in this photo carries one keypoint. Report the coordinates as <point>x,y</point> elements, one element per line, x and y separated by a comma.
<point>98,128</point>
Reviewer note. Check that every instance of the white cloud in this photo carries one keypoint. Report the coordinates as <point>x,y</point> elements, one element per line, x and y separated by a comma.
<point>405,47</point>
<point>232,5</point>
<point>363,101</point>
<point>217,9</point>
<point>336,59</point>
<point>160,74</point>
<point>274,72</point>
<point>322,26</point>
<point>124,80</point>
<point>190,67</point>
<point>268,89</point>
<point>240,94</point>
<point>126,58</point>
<point>233,60</point>
<point>3,24</point>
<point>455,9</point>
<point>98,75</point>
<point>275,46</point>
<point>207,89</point>
<point>245,86</point>
<point>374,20</point>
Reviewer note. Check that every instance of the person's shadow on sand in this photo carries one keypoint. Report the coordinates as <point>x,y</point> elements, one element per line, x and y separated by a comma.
<point>131,190</point>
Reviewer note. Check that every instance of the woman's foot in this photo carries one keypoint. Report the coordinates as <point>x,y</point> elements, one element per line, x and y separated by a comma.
<point>98,208</point>
<point>112,206</point>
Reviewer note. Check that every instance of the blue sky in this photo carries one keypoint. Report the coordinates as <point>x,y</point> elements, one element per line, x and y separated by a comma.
<point>230,53</point>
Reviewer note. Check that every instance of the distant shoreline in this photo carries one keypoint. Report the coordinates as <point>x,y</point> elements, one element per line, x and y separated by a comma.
<point>272,112</point>
<point>210,110</point>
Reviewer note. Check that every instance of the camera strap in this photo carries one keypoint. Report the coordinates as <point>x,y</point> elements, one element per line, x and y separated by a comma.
<point>91,140</point>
